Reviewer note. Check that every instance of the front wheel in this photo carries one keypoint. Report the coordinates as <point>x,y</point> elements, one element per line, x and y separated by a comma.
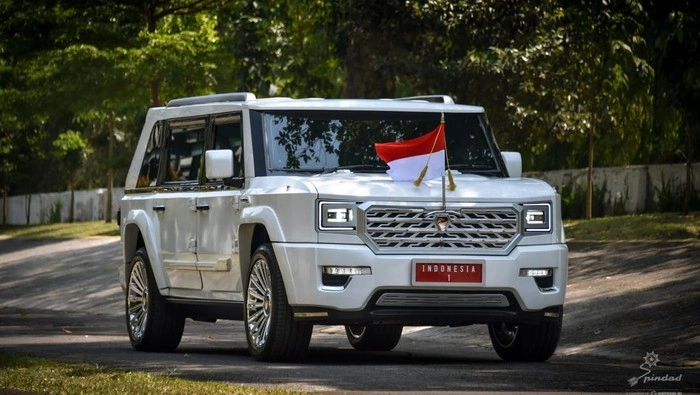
<point>526,342</point>
<point>271,332</point>
<point>153,324</point>
<point>373,337</point>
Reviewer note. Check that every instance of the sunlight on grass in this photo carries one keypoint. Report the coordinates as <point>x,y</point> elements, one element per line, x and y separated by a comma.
<point>657,226</point>
<point>61,231</point>
<point>44,376</point>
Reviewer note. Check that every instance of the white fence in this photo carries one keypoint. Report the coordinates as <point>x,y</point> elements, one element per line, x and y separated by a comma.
<point>89,205</point>
<point>636,188</point>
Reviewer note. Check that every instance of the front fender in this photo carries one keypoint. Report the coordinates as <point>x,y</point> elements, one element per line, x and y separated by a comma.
<point>264,215</point>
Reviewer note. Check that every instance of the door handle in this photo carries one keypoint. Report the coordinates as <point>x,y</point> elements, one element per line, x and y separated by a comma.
<point>202,207</point>
<point>159,207</point>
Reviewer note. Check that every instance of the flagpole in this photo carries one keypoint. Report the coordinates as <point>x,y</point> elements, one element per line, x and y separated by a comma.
<point>444,198</point>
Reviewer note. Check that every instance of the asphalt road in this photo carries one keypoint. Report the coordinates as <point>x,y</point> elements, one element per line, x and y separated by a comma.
<point>625,303</point>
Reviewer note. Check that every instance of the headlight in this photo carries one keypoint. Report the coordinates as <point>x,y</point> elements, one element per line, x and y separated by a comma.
<point>537,217</point>
<point>337,216</point>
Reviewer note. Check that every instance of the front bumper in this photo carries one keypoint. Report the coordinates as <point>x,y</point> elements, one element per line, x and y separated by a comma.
<point>388,294</point>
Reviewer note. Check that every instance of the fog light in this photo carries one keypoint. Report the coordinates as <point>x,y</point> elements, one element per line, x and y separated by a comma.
<point>535,272</point>
<point>347,270</point>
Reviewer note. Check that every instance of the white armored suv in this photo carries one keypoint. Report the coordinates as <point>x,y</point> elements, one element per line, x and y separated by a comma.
<point>280,212</point>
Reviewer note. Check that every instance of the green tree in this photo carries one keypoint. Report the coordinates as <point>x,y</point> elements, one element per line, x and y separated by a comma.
<point>671,30</point>
<point>71,151</point>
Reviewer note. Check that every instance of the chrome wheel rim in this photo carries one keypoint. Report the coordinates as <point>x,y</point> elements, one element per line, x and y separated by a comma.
<point>137,300</point>
<point>505,334</point>
<point>259,303</point>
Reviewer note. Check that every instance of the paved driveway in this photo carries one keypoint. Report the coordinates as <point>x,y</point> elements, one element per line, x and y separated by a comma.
<point>62,299</point>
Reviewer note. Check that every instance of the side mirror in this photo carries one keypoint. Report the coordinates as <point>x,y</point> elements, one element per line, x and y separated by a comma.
<point>514,163</point>
<point>219,164</point>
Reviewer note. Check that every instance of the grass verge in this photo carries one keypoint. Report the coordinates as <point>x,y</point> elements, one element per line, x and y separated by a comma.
<point>61,231</point>
<point>43,376</point>
<point>656,226</point>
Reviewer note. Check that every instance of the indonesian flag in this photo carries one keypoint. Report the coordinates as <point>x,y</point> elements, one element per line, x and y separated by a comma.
<point>407,159</point>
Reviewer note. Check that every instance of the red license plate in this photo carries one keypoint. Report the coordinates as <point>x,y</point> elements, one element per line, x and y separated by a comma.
<point>448,273</point>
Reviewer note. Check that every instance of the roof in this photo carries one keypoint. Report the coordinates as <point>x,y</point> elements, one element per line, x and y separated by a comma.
<point>433,103</point>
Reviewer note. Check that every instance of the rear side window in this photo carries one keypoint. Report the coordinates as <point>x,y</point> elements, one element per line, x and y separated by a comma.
<point>148,176</point>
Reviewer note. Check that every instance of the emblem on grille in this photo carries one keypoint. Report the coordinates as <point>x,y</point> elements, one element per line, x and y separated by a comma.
<point>442,221</point>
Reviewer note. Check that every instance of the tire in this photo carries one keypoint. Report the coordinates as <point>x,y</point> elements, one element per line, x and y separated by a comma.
<point>271,332</point>
<point>153,324</point>
<point>526,342</point>
<point>373,337</point>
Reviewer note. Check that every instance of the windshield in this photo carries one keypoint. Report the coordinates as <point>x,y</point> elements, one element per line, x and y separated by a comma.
<point>324,141</point>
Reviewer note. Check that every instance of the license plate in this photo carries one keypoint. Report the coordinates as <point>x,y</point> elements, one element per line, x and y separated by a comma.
<point>448,273</point>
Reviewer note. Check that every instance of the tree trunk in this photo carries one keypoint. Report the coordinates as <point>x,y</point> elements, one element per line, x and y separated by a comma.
<point>110,172</point>
<point>28,207</point>
<point>689,187</point>
<point>363,77</point>
<point>152,22</point>
<point>155,92</point>
<point>71,209</point>
<point>589,194</point>
<point>4,206</point>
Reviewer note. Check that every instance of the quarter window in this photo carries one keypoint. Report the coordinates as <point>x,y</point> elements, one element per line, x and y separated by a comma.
<point>148,176</point>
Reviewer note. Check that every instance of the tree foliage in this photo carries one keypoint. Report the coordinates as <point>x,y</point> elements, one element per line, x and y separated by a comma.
<point>563,82</point>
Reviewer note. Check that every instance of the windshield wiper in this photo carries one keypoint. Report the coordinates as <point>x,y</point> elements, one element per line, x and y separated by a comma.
<point>293,170</point>
<point>372,168</point>
<point>466,167</point>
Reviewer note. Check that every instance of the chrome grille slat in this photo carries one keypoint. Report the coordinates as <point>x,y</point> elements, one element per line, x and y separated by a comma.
<point>397,299</point>
<point>476,229</point>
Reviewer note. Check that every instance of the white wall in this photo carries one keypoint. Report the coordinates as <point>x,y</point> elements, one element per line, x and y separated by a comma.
<point>638,185</point>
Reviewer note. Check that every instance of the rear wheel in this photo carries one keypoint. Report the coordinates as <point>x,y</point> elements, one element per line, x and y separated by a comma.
<point>271,332</point>
<point>526,342</point>
<point>153,324</point>
<point>373,337</point>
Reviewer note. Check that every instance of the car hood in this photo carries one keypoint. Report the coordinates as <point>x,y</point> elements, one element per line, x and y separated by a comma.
<point>470,188</point>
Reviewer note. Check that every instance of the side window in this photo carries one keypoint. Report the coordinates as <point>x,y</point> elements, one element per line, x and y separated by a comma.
<point>148,176</point>
<point>185,147</point>
<point>227,135</point>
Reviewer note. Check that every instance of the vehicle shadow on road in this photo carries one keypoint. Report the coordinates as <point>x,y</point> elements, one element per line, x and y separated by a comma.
<point>71,275</point>
<point>624,300</point>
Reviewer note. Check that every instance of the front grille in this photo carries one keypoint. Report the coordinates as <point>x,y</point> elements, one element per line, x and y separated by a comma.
<point>471,229</point>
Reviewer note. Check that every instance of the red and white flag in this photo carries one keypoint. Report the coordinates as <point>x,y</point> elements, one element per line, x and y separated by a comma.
<point>407,159</point>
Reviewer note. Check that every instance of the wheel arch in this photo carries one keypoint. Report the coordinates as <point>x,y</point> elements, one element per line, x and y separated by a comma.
<point>134,238</point>
<point>252,235</point>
